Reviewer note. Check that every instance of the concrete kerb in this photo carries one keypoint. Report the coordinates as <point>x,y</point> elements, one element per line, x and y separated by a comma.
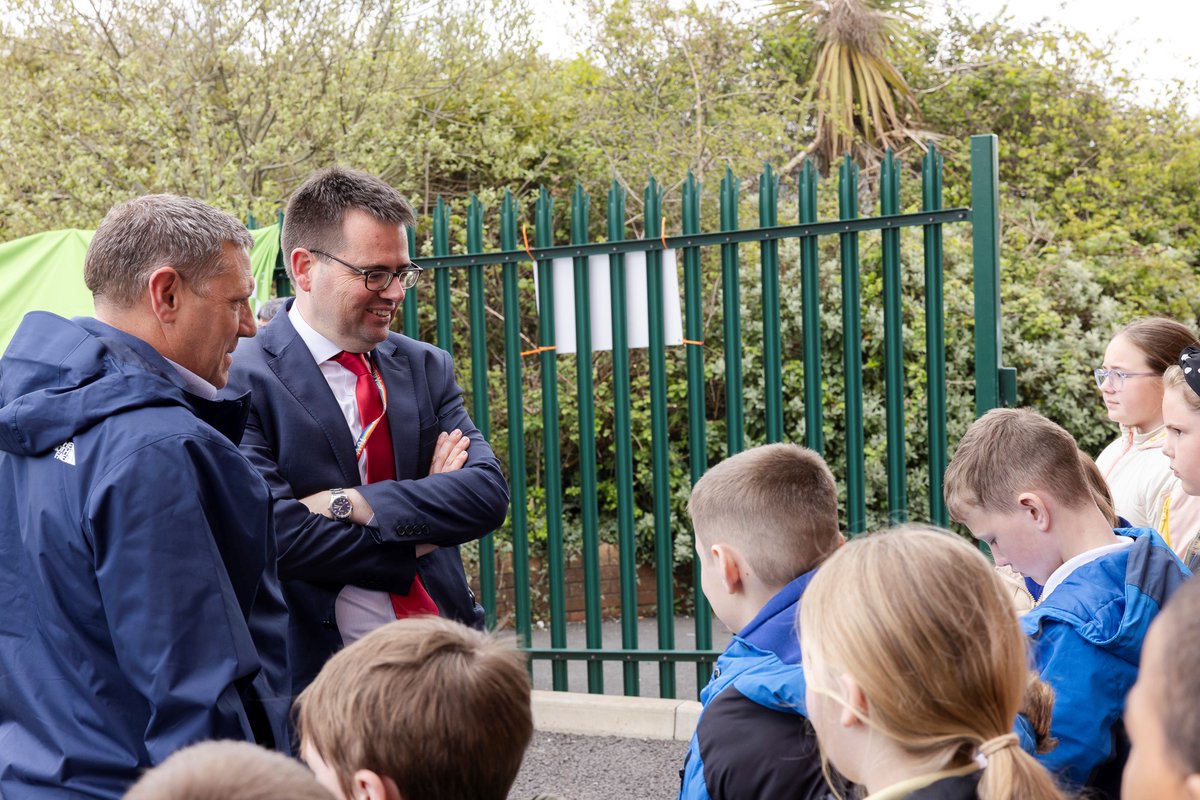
<point>611,715</point>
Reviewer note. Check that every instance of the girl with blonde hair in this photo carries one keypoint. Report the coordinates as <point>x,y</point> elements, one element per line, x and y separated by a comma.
<point>1181,418</point>
<point>916,671</point>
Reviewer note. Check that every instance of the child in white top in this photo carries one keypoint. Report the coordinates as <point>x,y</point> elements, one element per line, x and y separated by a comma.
<point>1145,492</point>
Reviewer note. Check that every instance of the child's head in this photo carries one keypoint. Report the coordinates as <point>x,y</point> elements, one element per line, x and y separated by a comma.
<point>1162,714</point>
<point>1181,416</point>
<point>774,507</point>
<point>228,771</point>
<point>1010,468</point>
<point>912,648</point>
<point>421,708</point>
<point>1137,355</point>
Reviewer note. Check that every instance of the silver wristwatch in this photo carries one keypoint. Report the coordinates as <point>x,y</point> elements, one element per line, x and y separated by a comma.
<point>339,505</point>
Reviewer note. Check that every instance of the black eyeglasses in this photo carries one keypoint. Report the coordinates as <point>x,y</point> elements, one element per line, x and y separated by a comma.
<point>378,279</point>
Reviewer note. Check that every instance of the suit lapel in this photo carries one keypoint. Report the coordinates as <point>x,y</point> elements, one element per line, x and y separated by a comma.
<point>402,411</point>
<point>293,364</point>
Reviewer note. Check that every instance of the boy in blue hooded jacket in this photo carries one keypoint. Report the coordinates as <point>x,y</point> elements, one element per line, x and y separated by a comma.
<point>764,520</point>
<point>1017,483</point>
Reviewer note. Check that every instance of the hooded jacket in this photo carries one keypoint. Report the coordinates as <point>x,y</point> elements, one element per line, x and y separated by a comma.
<point>753,738</point>
<point>1086,639</point>
<point>137,567</point>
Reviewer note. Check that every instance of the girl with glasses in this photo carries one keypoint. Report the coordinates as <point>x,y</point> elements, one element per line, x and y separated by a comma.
<point>1145,491</point>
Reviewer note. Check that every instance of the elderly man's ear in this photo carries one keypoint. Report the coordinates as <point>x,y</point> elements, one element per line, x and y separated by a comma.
<point>165,287</point>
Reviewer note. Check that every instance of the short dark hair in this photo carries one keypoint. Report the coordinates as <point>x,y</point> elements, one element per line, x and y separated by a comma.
<point>315,211</point>
<point>146,233</point>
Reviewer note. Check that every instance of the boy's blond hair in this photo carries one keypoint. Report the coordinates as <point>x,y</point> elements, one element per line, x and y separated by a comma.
<point>777,504</point>
<point>228,771</point>
<point>441,709</point>
<point>1012,450</point>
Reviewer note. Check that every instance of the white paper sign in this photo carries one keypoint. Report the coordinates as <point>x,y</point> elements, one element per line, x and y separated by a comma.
<point>637,303</point>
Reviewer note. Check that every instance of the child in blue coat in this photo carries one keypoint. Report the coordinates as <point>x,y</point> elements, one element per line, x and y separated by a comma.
<point>1017,483</point>
<point>764,520</point>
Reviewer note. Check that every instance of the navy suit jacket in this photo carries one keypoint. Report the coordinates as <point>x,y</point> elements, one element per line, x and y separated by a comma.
<point>298,440</point>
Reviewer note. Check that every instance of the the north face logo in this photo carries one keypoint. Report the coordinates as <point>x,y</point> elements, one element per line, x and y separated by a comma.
<point>65,453</point>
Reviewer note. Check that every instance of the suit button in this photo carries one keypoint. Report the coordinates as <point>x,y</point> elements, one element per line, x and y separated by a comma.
<point>328,623</point>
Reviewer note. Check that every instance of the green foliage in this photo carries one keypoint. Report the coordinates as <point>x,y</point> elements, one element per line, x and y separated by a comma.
<point>237,102</point>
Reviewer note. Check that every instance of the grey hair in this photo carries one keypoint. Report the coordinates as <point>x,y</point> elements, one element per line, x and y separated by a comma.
<point>315,211</point>
<point>142,235</point>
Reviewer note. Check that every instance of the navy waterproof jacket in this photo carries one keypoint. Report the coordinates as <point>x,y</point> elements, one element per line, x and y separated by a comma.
<point>753,739</point>
<point>141,611</point>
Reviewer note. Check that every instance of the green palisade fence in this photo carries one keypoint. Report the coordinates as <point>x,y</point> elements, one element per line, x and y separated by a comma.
<point>536,476</point>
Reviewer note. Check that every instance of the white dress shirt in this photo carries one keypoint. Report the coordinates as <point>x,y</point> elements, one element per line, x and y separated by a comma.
<point>358,611</point>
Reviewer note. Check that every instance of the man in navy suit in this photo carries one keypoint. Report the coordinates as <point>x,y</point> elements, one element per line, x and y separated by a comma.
<point>377,473</point>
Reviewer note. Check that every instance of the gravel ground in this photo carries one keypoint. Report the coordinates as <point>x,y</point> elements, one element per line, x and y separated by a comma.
<point>599,768</point>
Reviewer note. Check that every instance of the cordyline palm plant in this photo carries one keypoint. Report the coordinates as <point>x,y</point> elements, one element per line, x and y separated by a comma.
<point>863,104</point>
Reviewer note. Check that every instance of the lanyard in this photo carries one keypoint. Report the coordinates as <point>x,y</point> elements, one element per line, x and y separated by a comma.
<point>361,445</point>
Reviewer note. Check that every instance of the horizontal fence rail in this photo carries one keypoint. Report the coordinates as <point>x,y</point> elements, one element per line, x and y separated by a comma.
<point>551,419</point>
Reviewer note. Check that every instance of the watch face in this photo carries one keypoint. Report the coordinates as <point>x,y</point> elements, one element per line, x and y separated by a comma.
<point>341,506</point>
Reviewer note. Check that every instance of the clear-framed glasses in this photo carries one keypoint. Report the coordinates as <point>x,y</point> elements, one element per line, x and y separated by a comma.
<point>377,279</point>
<point>1118,377</point>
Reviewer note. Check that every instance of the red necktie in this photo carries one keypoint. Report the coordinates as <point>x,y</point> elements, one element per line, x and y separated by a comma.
<point>381,466</point>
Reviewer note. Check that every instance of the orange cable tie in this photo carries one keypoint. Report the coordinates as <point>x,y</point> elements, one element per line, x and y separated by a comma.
<point>690,341</point>
<point>537,350</point>
<point>663,229</point>
<point>525,239</point>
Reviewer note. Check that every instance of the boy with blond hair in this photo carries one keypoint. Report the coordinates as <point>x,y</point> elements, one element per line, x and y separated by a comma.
<point>423,708</point>
<point>1016,481</point>
<point>764,519</point>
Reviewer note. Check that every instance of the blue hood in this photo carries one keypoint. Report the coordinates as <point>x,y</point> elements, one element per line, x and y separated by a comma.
<point>59,378</point>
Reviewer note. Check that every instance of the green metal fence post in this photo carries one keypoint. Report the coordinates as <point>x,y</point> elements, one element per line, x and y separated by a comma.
<point>768,217</point>
<point>856,503</point>
<point>623,439</point>
<point>519,511</point>
<point>935,336</point>
<point>810,297</point>
<point>735,434</point>
<point>550,439</point>
<point>411,323</point>
<point>995,386</point>
<point>697,433</point>
<point>664,548</point>
<point>893,343</point>
<point>587,440</point>
<point>441,277</point>
<point>480,413</point>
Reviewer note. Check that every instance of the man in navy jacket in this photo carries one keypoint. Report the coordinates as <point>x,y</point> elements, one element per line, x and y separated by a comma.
<point>356,547</point>
<point>141,609</point>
